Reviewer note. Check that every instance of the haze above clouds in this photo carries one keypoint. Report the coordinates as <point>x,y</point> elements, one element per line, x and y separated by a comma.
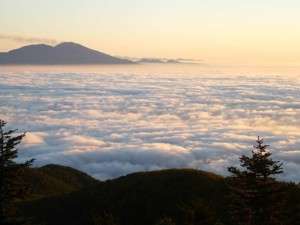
<point>231,32</point>
<point>110,125</point>
<point>27,40</point>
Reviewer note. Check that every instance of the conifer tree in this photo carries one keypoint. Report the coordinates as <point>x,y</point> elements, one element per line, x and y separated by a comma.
<point>11,186</point>
<point>255,192</point>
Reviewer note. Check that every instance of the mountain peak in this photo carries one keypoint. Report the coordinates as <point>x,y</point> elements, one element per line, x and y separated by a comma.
<point>64,53</point>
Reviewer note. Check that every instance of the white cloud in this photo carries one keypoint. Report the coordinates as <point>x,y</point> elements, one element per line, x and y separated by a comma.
<point>79,140</point>
<point>34,138</point>
<point>113,124</point>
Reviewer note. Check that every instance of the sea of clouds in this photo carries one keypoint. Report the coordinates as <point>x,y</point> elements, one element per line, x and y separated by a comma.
<point>110,125</point>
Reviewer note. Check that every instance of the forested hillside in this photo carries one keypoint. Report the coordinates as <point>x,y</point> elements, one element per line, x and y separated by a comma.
<point>184,196</point>
<point>59,195</point>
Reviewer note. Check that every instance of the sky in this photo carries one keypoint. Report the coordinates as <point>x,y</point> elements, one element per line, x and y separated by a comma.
<point>256,32</point>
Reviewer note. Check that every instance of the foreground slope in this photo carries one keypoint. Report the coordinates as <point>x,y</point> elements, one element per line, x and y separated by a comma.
<point>54,180</point>
<point>189,197</point>
<point>64,53</point>
<point>140,198</point>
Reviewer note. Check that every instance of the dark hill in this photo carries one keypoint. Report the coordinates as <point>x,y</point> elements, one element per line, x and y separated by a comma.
<point>189,197</point>
<point>140,198</point>
<point>53,180</point>
<point>64,53</point>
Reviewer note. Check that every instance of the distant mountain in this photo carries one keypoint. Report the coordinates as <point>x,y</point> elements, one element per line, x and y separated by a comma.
<point>157,60</point>
<point>64,53</point>
<point>166,61</point>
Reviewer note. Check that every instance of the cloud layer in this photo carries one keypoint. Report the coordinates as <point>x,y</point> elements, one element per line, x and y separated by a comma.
<point>110,125</point>
<point>24,39</point>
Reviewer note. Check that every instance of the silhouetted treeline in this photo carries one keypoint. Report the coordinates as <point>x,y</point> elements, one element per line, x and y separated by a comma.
<point>59,195</point>
<point>12,188</point>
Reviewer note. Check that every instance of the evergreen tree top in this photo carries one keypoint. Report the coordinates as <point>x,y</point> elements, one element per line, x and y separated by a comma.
<point>259,164</point>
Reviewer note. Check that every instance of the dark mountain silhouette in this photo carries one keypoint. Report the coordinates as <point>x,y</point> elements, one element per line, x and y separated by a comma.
<point>139,198</point>
<point>64,53</point>
<point>51,180</point>
<point>187,196</point>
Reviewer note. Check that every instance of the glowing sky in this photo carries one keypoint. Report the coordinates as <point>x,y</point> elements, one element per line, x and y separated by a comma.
<point>256,32</point>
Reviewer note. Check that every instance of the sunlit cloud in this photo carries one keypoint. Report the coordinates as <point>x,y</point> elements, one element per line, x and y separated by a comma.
<point>110,125</point>
<point>34,138</point>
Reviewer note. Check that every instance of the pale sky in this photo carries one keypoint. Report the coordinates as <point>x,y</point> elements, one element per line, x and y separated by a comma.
<point>256,32</point>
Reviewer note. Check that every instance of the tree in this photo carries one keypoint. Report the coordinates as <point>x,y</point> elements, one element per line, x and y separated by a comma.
<point>11,186</point>
<point>255,192</point>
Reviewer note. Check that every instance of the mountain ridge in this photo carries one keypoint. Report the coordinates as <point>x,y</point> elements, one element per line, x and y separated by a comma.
<point>68,53</point>
<point>188,196</point>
